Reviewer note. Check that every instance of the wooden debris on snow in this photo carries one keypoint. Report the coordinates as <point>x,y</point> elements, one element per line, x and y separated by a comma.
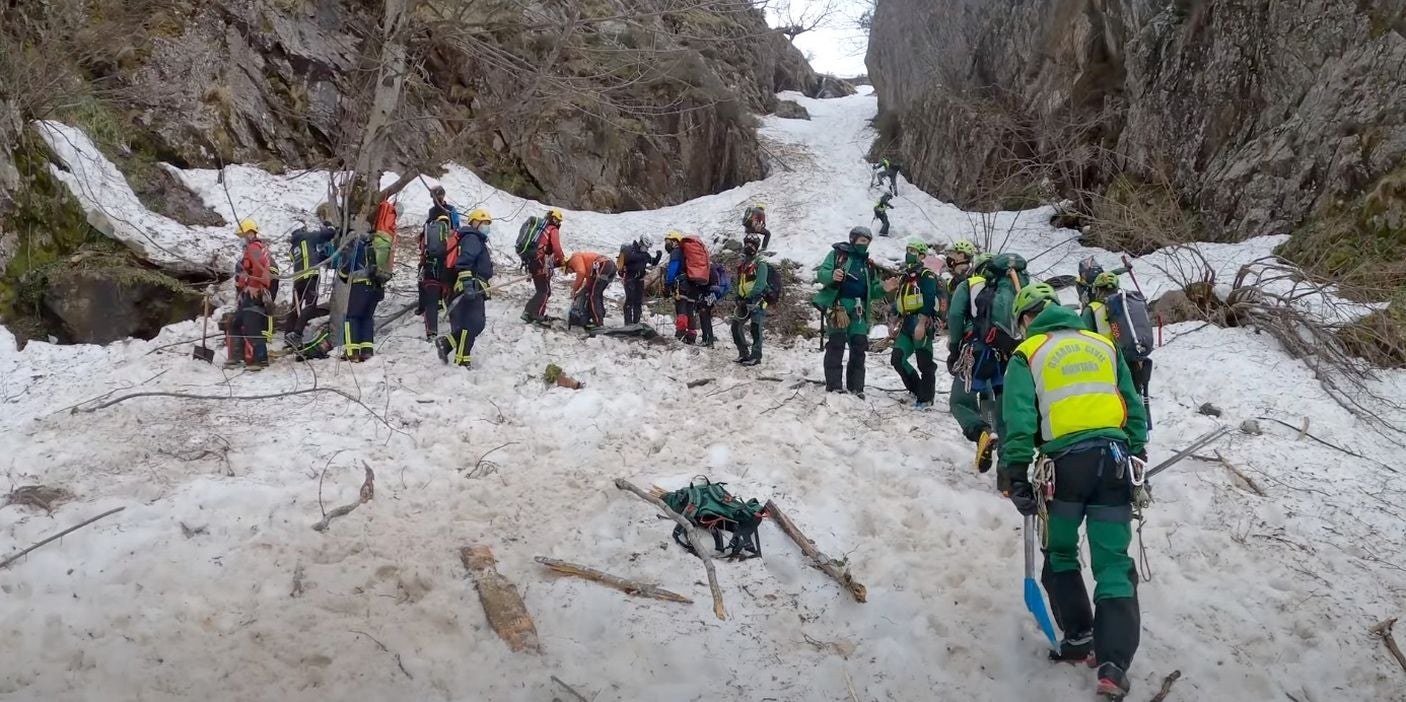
<point>817,559</point>
<point>693,538</point>
<point>629,587</point>
<point>501,603</point>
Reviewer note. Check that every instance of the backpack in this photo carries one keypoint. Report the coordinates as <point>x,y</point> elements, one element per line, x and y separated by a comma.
<point>1088,270</point>
<point>720,281</point>
<point>384,220</point>
<point>1130,324</point>
<point>380,262</point>
<point>695,260</point>
<point>438,235</point>
<point>528,237</point>
<point>711,507</point>
<point>993,302</point>
<point>774,289</point>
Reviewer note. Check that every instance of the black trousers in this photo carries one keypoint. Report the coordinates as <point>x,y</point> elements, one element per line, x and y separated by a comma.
<point>466,323</point>
<point>922,383</point>
<point>431,292</point>
<point>883,218</point>
<point>705,321</point>
<point>634,300</point>
<point>248,332</point>
<point>685,311</point>
<point>834,361</point>
<point>748,320</point>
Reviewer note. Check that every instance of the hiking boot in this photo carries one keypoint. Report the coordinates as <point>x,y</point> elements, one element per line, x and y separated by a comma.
<point>527,318</point>
<point>430,337</point>
<point>859,394</point>
<point>1112,682</point>
<point>922,406</point>
<point>840,391</point>
<point>256,366</point>
<point>443,347</point>
<point>232,363</point>
<point>707,343</point>
<point>985,447</point>
<point>1075,649</point>
<point>751,362</point>
<point>743,358</point>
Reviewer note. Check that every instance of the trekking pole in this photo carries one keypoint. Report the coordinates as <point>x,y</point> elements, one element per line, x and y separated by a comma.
<point>1199,443</point>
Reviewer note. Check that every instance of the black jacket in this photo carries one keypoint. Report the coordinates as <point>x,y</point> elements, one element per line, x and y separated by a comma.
<point>637,262</point>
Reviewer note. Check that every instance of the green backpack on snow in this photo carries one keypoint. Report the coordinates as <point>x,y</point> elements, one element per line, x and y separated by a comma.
<point>711,507</point>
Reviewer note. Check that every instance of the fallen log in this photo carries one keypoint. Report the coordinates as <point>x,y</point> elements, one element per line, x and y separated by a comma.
<point>699,547</point>
<point>817,559</point>
<point>629,587</point>
<point>501,603</point>
<point>1383,631</point>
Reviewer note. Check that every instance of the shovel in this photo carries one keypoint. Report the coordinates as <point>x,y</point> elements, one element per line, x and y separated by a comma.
<point>201,351</point>
<point>1034,596</point>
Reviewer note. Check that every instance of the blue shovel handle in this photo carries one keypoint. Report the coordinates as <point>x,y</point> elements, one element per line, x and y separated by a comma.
<point>1034,596</point>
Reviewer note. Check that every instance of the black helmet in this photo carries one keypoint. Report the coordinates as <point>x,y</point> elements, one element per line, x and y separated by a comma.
<point>860,232</point>
<point>437,192</point>
<point>752,242</point>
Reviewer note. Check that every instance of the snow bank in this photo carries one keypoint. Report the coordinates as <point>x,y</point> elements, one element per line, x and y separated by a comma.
<point>191,593</point>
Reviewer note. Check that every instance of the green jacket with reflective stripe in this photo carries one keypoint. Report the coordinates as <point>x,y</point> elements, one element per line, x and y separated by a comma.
<point>1022,416</point>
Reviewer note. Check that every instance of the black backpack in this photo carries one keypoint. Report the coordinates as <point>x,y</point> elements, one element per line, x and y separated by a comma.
<point>1129,324</point>
<point>775,290</point>
<point>528,237</point>
<point>437,238</point>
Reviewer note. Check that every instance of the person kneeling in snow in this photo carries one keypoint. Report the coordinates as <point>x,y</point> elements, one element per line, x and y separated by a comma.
<point>594,273</point>
<point>1069,393</point>
<point>851,287</point>
<point>466,311</point>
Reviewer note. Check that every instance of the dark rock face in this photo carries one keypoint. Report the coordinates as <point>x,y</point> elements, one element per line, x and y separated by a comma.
<point>275,83</point>
<point>790,109</point>
<point>1258,112</point>
<point>99,306</point>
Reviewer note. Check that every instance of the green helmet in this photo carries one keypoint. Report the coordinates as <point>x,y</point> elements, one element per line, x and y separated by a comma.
<point>1106,279</point>
<point>964,247</point>
<point>980,260</point>
<point>916,245</point>
<point>1033,297</point>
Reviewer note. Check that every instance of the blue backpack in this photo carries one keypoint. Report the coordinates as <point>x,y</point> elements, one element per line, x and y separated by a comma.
<point>720,282</point>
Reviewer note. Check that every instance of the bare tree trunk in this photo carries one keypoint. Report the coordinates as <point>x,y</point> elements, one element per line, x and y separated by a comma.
<point>390,84</point>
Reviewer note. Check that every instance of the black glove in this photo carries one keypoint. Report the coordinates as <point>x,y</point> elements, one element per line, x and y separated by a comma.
<point>952,361</point>
<point>1012,484</point>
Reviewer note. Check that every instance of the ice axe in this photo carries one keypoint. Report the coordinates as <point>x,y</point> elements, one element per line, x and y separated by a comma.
<point>1034,596</point>
<point>201,351</point>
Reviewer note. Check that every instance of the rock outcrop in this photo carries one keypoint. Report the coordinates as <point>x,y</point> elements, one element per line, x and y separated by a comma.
<point>1260,114</point>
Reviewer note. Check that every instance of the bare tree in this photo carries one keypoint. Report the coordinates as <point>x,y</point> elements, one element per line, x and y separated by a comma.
<point>796,17</point>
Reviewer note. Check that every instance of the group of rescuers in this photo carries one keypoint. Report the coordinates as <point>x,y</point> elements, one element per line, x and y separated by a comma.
<point>1051,389</point>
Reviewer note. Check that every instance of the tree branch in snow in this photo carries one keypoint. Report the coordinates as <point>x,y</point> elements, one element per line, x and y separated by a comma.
<point>625,585</point>
<point>694,539</point>
<point>1383,631</point>
<point>817,559</point>
<point>5,563</point>
<point>1166,686</point>
<point>1243,478</point>
<point>367,492</point>
<point>269,396</point>
<point>501,603</point>
<point>579,697</point>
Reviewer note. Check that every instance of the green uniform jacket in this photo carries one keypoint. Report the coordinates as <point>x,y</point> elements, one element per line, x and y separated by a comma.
<point>958,319</point>
<point>1022,416</point>
<point>858,265</point>
<point>1087,317</point>
<point>928,285</point>
<point>751,288</point>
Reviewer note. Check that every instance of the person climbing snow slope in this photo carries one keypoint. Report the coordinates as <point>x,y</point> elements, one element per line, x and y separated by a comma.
<point>1070,396</point>
<point>754,222</point>
<point>916,301</point>
<point>850,288</point>
<point>545,254</point>
<point>754,293</point>
<point>471,289</point>
<point>687,278</point>
<point>634,263</point>
<point>881,213</point>
<point>252,323</point>
<point>980,338</point>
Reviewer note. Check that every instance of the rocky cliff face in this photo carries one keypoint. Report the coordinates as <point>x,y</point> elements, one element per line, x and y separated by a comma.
<point>551,100</point>
<point>1262,115</point>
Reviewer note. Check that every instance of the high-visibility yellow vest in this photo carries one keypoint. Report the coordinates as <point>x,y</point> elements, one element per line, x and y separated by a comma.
<point>910,296</point>
<point>1101,323</point>
<point>746,278</point>
<point>1076,382</point>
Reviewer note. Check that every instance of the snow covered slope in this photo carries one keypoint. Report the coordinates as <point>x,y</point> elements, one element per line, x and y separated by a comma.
<point>212,584</point>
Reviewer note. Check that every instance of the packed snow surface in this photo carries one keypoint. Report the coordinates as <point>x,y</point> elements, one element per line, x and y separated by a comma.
<point>211,584</point>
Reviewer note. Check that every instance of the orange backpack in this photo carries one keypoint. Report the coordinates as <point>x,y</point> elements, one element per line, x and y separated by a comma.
<point>384,219</point>
<point>695,260</point>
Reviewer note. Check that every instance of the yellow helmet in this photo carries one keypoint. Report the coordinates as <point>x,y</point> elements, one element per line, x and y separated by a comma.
<point>480,215</point>
<point>248,227</point>
<point>760,205</point>
<point>555,214</point>
<point>674,235</point>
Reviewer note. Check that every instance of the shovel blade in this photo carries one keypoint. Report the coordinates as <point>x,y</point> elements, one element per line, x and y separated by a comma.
<point>1035,602</point>
<point>203,353</point>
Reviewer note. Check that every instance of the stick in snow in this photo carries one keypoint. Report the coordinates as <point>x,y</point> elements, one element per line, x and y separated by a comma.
<point>1244,478</point>
<point>817,559</point>
<point>569,688</point>
<point>368,491</point>
<point>1166,686</point>
<point>58,536</point>
<point>503,606</point>
<point>629,587</point>
<point>1383,630</point>
<point>693,538</point>
<point>269,396</point>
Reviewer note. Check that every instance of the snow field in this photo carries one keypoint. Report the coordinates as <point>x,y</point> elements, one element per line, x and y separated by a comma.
<point>1253,598</point>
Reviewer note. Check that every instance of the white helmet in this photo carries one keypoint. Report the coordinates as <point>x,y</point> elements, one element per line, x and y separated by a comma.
<point>645,242</point>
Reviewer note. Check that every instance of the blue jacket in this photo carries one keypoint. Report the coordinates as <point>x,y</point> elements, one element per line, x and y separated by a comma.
<point>474,255</point>
<point>671,275</point>
<point>310,248</point>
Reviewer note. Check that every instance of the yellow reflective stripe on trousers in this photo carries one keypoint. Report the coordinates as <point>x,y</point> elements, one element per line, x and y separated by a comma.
<point>308,269</point>
<point>460,358</point>
<point>1076,382</point>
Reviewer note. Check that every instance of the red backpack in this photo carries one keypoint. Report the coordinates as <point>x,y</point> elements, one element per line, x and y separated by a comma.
<point>384,220</point>
<point>695,260</point>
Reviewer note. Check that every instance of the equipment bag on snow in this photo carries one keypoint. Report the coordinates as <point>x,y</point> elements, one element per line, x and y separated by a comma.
<point>438,237</point>
<point>711,507</point>
<point>993,294</point>
<point>528,237</point>
<point>1129,324</point>
<point>695,260</point>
